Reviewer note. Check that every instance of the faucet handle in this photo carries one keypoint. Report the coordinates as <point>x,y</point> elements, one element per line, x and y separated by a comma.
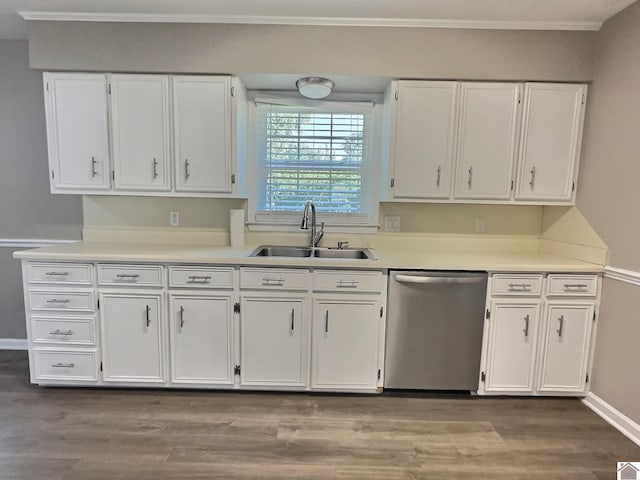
<point>341,245</point>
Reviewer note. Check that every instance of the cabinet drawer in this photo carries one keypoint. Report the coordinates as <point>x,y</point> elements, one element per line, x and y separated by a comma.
<point>146,276</point>
<point>505,284</point>
<point>60,365</point>
<point>60,273</point>
<point>572,285</point>
<point>347,281</point>
<point>61,300</point>
<point>274,279</point>
<point>68,331</point>
<point>201,277</point>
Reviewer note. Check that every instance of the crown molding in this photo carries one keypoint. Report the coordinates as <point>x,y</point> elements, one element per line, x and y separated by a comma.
<point>317,21</point>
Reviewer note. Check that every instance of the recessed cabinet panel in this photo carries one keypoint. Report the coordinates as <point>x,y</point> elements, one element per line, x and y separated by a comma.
<point>140,130</point>
<point>77,131</point>
<point>425,134</point>
<point>202,126</point>
<point>550,141</point>
<point>487,131</point>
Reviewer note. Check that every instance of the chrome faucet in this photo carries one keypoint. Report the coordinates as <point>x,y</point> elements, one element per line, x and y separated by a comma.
<point>315,235</point>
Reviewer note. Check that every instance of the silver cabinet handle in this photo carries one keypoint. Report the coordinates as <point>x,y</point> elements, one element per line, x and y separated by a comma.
<point>470,180</point>
<point>94,172</point>
<point>155,168</point>
<point>199,279</point>
<point>526,326</point>
<point>186,169</point>
<point>273,281</point>
<point>347,284</point>
<point>561,326</point>
<point>181,316</point>
<point>326,322</point>
<point>578,286</point>
<point>532,182</point>
<point>59,300</point>
<point>519,286</point>
<point>147,310</point>
<point>58,332</point>
<point>63,365</point>
<point>57,274</point>
<point>293,317</point>
<point>130,276</point>
<point>438,174</point>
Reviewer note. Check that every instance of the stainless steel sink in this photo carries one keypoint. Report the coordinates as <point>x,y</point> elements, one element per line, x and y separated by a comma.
<point>306,252</point>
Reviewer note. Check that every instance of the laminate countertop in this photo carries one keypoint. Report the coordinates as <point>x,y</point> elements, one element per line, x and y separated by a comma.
<point>386,258</point>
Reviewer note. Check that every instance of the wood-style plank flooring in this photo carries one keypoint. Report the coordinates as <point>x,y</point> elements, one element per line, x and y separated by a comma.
<point>86,434</point>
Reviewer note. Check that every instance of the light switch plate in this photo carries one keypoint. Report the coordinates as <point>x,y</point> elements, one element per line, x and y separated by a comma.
<point>392,223</point>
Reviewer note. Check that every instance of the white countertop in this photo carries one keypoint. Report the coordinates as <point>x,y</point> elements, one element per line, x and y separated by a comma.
<point>386,258</point>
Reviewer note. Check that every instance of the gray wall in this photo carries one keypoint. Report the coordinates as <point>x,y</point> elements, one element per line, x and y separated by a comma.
<point>391,52</point>
<point>27,210</point>
<point>608,196</point>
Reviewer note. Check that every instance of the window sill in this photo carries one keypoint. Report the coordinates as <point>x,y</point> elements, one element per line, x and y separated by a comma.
<point>332,228</point>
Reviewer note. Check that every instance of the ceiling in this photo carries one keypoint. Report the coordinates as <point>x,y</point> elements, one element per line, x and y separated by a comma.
<point>509,14</point>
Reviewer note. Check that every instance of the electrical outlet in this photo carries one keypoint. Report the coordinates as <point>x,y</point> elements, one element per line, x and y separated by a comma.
<point>392,223</point>
<point>479,225</point>
<point>174,219</point>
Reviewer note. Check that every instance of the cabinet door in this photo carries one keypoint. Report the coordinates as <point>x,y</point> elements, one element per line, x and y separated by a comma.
<point>565,347</point>
<point>486,146</point>
<point>273,332</point>
<point>132,337</point>
<point>201,339</point>
<point>77,131</point>
<point>140,129</point>
<point>202,126</point>
<point>550,141</point>
<point>425,126</point>
<point>345,343</point>
<point>512,347</point>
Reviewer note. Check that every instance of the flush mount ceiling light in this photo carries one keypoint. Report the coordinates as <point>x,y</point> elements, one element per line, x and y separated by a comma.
<point>314,87</point>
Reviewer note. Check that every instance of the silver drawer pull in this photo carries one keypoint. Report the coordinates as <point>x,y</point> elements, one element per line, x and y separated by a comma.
<point>561,326</point>
<point>519,286</point>
<point>347,284</point>
<point>526,326</point>
<point>59,300</point>
<point>579,286</point>
<point>273,281</point>
<point>57,274</point>
<point>58,332</point>
<point>63,365</point>
<point>199,279</point>
<point>132,276</point>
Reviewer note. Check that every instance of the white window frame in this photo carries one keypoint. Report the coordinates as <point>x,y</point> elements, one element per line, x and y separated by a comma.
<point>334,222</point>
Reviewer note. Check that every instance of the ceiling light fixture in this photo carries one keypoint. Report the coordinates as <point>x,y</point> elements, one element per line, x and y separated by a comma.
<point>315,87</point>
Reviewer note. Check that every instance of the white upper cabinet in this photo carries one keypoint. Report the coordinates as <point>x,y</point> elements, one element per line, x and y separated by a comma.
<point>202,133</point>
<point>77,131</point>
<point>140,132</point>
<point>424,139</point>
<point>550,141</point>
<point>487,134</point>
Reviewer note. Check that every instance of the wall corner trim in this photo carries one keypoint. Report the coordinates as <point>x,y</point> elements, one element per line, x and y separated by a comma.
<point>32,242</point>
<point>13,343</point>
<point>613,417</point>
<point>622,275</point>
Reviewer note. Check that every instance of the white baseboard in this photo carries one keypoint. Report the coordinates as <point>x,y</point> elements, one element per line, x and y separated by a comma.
<point>13,343</point>
<point>614,417</point>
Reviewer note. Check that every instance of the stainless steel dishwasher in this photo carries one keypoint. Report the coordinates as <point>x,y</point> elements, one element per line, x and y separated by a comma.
<point>434,330</point>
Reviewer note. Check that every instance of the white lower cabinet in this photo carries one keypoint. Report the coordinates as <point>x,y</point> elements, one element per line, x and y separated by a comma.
<point>345,348</point>
<point>274,332</point>
<point>200,333</point>
<point>132,331</point>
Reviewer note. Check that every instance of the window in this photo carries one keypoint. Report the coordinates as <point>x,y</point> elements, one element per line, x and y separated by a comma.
<point>320,153</point>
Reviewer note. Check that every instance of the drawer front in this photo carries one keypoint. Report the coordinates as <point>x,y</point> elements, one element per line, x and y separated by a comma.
<point>60,365</point>
<point>144,276</point>
<point>69,331</point>
<point>506,284</point>
<point>60,273</point>
<point>61,300</point>
<point>572,285</point>
<point>201,277</point>
<point>274,279</point>
<point>347,281</point>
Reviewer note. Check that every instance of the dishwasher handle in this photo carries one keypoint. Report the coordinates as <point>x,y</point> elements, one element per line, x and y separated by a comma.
<point>438,279</point>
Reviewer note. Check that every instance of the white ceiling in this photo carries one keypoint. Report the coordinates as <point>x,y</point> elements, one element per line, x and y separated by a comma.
<point>512,14</point>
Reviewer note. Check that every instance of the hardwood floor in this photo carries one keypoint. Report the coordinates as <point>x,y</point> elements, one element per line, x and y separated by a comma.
<point>86,434</point>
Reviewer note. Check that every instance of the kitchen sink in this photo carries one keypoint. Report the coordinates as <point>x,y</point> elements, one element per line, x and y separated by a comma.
<point>306,252</point>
